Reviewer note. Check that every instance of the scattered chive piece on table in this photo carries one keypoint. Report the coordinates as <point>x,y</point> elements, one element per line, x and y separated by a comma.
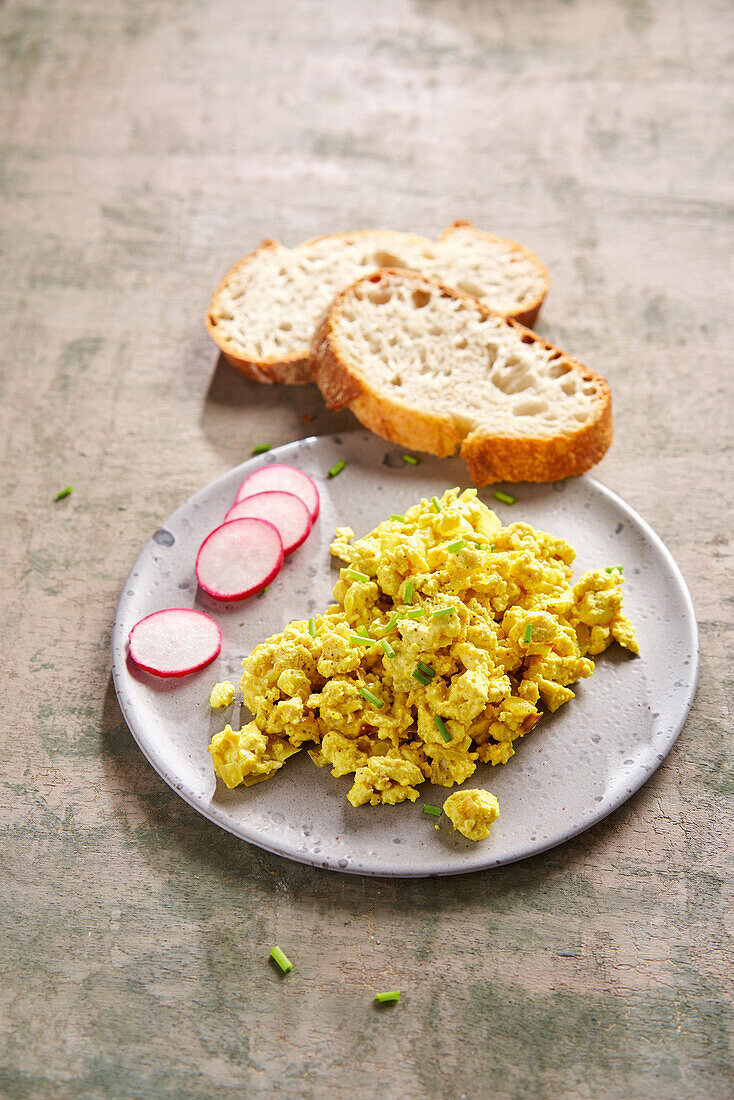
<point>281,959</point>
<point>408,598</point>
<point>442,612</point>
<point>454,547</point>
<point>312,627</point>
<point>504,497</point>
<point>416,613</point>
<point>426,670</point>
<point>389,651</point>
<point>410,459</point>
<point>337,468</point>
<point>429,809</point>
<point>436,505</point>
<point>386,998</point>
<point>363,631</point>
<point>420,677</point>
<point>355,575</point>
<point>441,727</point>
<point>358,639</point>
<point>396,515</point>
<point>391,625</point>
<point>64,492</point>
<point>371,698</point>
<point>610,568</point>
<point>262,448</point>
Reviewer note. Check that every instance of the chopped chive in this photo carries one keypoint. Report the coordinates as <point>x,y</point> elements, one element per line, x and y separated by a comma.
<point>337,468</point>
<point>454,547</point>
<point>420,677</point>
<point>371,697</point>
<point>385,998</point>
<point>312,627</point>
<point>479,545</point>
<point>391,625</point>
<point>408,597</point>
<point>64,492</point>
<point>441,727</point>
<point>435,810</point>
<point>610,568</point>
<point>426,670</point>
<point>442,612</point>
<point>389,651</point>
<point>281,959</point>
<point>528,632</point>
<point>415,613</point>
<point>396,515</point>
<point>504,497</point>
<point>410,459</point>
<point>262,448</point>
<point>491,549</point>
<point>436,505</point>
<point>355,575</point>
<point>363,631</point>
<point>358,639</point>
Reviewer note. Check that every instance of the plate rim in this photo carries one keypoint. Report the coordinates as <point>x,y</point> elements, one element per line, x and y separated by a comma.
<point>119,638</point>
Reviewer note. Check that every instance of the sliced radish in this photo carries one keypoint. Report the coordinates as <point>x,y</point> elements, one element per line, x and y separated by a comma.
<point>239,558</point>
<point>287,513</point>
<point>283,479</point>
<point>174,642</point>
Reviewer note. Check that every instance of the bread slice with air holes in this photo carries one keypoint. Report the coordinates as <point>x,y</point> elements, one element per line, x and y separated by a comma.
<point>430,368</point>
<point>264,312</point>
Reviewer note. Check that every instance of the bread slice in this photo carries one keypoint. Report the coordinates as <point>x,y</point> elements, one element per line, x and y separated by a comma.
<point>435,370</point>
<point>264,312</point>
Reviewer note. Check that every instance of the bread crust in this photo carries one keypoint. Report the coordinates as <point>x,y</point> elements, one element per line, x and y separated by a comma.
<point>295,370</point>
<point>490,458</point>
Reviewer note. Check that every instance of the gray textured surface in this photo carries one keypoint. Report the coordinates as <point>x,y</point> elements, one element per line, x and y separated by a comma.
<point>148,145</point>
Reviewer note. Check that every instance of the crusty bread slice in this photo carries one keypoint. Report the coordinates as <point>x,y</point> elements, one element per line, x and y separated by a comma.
<point>433,369</point>
<point>264,312</point>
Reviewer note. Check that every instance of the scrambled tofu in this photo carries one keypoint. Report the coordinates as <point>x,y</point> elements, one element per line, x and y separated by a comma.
<point>222,695</point>
<point>449,635</point>
<point>472,812</point>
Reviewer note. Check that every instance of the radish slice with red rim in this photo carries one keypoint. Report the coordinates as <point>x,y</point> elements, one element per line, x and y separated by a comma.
<point>174,642</point>
<point>284,479</point>
<point>287,513</point>
<point>239,558</point>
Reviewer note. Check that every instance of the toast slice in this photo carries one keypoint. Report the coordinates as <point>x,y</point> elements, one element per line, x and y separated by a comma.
<point>430,368</point>
<point>264,312</point>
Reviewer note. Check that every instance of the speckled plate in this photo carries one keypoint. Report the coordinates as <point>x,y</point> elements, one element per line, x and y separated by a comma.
<point>572,770</point>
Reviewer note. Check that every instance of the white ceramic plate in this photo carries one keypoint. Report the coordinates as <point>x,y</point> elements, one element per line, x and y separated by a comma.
<point>572,770</point>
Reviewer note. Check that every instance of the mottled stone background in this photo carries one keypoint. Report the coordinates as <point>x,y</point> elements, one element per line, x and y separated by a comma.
<point>147,145</point>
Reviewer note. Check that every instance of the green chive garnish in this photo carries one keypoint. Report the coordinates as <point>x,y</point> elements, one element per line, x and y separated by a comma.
<point>408,597</point>
<point>504,497</point>
<point>442,612</point>
<point>429,809</point>
<point>610,568</point>
<point>262,448</point>
<point>454,547</point>
<point>355,575</point>
<point>312,627</point>
<point>491,549</point>
<point>363,631</point>
<point>391,625</point>
<point>64,492</point>
<point>441,727</point>
<point>426,670</point>
<point>528,632</point>
<point>389,651</point>
<point>385,998</point>
<point>479,545</point>
<point>371,698</point>
<point>336,468</point>
<point>436,505</point>
<point>359,639</point>
<point>416,613</point>
<point>420,677</point>
<point>410,459</point>
<point>397,516</point>
<point>281,959</point>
